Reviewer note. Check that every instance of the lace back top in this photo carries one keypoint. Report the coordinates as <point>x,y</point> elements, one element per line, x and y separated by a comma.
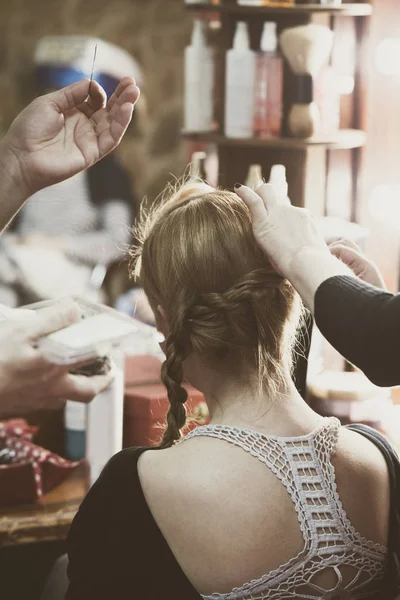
<point>303,465</point>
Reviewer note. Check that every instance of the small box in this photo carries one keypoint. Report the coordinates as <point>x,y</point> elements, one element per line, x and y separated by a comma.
<point>145,411</point>
<point>34,470</point>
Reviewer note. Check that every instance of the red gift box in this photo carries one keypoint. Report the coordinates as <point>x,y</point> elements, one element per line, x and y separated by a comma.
<point>146,403</point>
<point>34,470</point>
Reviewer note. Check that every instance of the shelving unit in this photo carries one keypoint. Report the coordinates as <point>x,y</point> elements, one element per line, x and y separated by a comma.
<point>345,139</point>
<point>308,161</point>
<point>346,10</point>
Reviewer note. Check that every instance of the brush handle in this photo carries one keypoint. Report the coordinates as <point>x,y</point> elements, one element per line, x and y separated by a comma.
<point>304,119</point>
<point>304,89</point>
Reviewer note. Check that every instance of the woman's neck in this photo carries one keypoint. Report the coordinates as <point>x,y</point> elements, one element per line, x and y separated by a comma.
<point>233,400</point>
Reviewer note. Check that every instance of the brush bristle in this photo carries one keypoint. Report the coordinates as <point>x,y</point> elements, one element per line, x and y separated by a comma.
<point>306,47</point>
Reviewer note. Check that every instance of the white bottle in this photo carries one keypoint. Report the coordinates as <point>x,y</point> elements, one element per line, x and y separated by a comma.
<point>254,177</point>
<point>240,81</point>
<point>105,422</point>
<point>198,165</point>
<point>199,82</point>
<point>277,179</point>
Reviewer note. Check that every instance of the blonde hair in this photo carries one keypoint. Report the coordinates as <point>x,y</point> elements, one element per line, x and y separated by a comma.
<point>197,257</point>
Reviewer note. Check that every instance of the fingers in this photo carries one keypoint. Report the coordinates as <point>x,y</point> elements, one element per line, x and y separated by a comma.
<point>81,388</point>
<point>269,196</point>
<point>111,136</point>
<point>253,202</point>
<point>347,243</point>
<point>346,254</point>
<point>95,101</point>
<point>124,84</point>
<point>111,124</point>
<point>71,96</point>
<point>53,318</point>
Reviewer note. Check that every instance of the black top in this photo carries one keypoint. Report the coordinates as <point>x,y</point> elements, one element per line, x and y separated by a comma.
<point>117,552</point>
<point>363,324</point>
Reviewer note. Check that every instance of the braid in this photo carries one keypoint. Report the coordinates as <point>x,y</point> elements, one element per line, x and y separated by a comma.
<point>234,316</point>
<point>172,377</point>
<point>246,319</point>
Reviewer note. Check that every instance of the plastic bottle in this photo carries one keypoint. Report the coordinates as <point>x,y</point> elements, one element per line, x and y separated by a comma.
<point>105,422</point>
<point>269,85</point>
<point>240,80</point>
<point>198,165</point>
<point>254,177</point>
<point>199,81</point>
<point>277,179</point>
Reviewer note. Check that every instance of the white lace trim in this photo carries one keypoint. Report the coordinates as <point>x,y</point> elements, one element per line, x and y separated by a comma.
<point>303,465</point>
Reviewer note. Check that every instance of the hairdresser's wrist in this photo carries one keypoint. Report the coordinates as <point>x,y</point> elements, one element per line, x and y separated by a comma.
<point>310,267</point>
<point>14,188</point>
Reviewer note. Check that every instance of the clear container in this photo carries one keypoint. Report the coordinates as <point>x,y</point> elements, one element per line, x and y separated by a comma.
<point>102,331</point>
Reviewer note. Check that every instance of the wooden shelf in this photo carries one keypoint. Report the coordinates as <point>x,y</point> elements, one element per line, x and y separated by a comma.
<point>345,10</point>
<point>344,139</point>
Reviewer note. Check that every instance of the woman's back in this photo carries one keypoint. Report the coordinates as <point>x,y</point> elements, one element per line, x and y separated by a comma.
<point>230,520</point>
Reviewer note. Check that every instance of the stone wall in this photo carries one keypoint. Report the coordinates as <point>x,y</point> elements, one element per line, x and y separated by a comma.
<point>153,31</point>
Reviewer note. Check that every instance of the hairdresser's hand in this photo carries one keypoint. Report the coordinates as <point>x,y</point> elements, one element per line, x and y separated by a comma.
<point>281,229</point>
<point>291,240</point>
<point>28,380</point>
<point>63,133</point>
<point>348,252</point>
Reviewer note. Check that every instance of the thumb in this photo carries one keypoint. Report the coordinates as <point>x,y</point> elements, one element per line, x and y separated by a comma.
<point>55,317</point>
<point>349,256</point>
<point>75,94</point>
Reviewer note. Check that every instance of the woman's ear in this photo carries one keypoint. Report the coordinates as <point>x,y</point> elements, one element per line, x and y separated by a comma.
<point>162,320</point>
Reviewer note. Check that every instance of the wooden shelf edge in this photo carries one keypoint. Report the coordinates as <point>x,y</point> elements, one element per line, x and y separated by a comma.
<point>345,139</point>
<point>345,10</point>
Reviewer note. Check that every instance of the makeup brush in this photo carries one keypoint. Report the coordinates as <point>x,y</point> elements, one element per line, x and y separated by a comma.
<point>307,49</point>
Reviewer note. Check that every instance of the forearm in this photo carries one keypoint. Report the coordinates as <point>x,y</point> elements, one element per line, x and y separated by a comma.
<point>13,189</point>
<point>310,268</point>
<point>362,323</point>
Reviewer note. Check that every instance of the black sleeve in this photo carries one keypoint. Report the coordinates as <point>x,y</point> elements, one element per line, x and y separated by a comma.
<point>104,556</point>
<point>363,324</point>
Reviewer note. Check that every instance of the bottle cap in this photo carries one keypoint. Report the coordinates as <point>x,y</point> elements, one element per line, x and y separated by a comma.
<point>269,38</point>
<point>241,40</point>
<point>277,179</point>
<point>198,34</point>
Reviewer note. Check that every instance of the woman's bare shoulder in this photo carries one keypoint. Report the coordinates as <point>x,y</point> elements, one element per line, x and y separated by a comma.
<point>363,484</point>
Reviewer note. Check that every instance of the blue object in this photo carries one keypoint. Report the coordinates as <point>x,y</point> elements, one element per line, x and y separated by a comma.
<point>75,444</point>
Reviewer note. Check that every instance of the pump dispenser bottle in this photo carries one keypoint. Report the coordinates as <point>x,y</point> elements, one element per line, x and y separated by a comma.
<point>269,86</point>
<point>199,80</point>
<point>240,81</point>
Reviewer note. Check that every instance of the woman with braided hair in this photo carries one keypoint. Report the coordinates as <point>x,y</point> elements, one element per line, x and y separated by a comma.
<point>270,500</point>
